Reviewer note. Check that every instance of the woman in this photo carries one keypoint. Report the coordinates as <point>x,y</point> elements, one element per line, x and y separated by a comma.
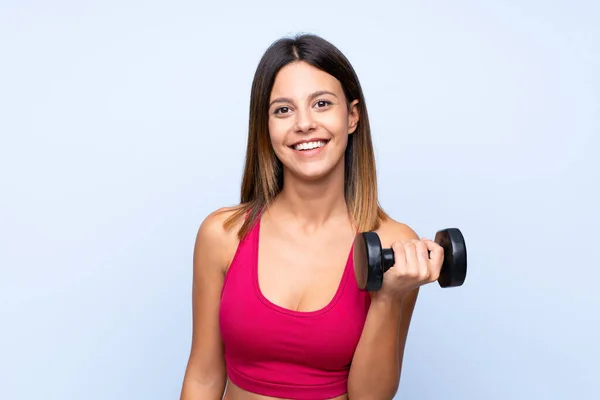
<point>276,309</point>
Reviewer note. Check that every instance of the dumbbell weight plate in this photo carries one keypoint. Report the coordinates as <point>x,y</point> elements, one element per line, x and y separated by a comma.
<point>454,267</point>
<point>368,261</point>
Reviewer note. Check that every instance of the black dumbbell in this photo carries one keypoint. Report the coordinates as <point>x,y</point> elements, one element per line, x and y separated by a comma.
<point>371,261</point>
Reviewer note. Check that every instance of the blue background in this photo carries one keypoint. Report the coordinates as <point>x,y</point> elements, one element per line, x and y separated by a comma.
<point>123,124</point>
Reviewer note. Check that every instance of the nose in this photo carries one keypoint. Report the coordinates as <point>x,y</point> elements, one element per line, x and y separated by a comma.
<point>304,121</point>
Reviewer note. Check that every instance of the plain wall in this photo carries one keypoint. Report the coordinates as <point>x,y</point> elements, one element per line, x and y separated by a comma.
<point>123,124</point>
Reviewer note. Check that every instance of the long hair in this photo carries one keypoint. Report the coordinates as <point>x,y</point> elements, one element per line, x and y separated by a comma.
<point>263,175</point>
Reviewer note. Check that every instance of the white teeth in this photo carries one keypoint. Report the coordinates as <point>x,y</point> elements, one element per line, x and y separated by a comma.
<point>310,145</point>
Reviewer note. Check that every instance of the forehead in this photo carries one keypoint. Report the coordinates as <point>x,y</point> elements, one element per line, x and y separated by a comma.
<point>299,79</point>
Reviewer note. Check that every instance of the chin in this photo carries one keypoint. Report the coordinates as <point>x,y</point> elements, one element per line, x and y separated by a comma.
<point>312,166</point>
<point>313,173</point>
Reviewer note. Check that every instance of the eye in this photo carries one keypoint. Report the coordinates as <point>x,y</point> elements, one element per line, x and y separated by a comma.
<point>281,110</point>
<point>322,103</point>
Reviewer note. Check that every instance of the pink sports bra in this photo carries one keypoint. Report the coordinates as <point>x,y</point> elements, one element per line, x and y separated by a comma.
<point>274,351</point>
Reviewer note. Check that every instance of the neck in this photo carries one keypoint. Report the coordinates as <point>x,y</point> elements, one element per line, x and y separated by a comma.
<point>312,204</point>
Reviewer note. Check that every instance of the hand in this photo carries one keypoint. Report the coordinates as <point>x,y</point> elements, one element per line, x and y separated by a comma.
<point>413,266</point>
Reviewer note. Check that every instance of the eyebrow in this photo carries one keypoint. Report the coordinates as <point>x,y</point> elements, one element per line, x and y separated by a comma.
<point>312,96</point>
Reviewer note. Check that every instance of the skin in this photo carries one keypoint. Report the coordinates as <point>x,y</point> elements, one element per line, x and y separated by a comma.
<point>309,213</point>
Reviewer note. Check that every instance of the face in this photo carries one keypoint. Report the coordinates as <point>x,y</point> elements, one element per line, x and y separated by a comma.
<point>309,120</point>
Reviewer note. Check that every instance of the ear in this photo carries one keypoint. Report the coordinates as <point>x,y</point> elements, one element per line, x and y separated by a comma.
<point>353,117</point>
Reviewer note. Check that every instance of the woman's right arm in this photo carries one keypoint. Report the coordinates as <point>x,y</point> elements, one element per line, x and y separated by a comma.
<point>205,375</point>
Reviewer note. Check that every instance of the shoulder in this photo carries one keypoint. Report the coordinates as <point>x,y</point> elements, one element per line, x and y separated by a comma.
<point>391,231</point>
<point>216,238</point>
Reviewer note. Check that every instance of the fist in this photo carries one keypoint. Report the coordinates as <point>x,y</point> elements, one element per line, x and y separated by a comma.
<point>416,263</point>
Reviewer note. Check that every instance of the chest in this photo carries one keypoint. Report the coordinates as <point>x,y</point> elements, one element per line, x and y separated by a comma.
<point>302,273</point>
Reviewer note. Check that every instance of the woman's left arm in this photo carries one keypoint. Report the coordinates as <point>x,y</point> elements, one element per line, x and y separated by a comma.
<point>377,363</point>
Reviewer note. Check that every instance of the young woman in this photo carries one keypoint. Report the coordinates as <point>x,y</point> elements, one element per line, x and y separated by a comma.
<point>277,313</point>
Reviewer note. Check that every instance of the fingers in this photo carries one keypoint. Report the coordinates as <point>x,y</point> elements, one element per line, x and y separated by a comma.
<point>436,256</point>
<point>399,255</point>
<point>420,260</point>
<point>411,259</point>
<point>423,260</point>
<point>406,262</point>
<point>437,251</point>
<point>416,263</point>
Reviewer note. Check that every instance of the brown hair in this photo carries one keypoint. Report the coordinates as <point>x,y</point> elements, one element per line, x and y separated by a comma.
<point>263,175</point>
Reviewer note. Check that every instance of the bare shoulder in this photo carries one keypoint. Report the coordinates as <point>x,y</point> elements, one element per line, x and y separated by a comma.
<point>215,243</point>
<point>391,231</point>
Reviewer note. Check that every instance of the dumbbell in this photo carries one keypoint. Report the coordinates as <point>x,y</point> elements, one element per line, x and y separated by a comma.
<point>371,261</point>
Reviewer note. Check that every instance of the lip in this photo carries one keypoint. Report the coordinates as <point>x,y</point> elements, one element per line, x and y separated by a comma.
<point>310,153</point>
<point>309,140</point>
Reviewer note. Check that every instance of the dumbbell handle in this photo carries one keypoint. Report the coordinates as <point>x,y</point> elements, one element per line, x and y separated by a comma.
<point>388,259</point>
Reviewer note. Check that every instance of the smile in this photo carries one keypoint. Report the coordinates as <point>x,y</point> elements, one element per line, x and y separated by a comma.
<point>309,145</point>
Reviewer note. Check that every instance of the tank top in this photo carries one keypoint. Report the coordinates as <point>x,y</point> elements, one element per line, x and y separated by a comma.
<point>278,352</point>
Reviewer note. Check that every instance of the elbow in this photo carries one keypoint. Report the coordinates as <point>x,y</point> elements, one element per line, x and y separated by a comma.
<point>373,394</point>
<point>194,389</point>
<point>203,385</point>
<point>381,384</point>
<point>373,390</point>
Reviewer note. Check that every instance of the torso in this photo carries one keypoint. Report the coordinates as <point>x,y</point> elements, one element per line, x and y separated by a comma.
<point>300,271</point>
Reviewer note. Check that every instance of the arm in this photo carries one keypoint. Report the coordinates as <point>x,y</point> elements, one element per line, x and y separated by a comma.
<point>377,363</point>
<point>205,375</point>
